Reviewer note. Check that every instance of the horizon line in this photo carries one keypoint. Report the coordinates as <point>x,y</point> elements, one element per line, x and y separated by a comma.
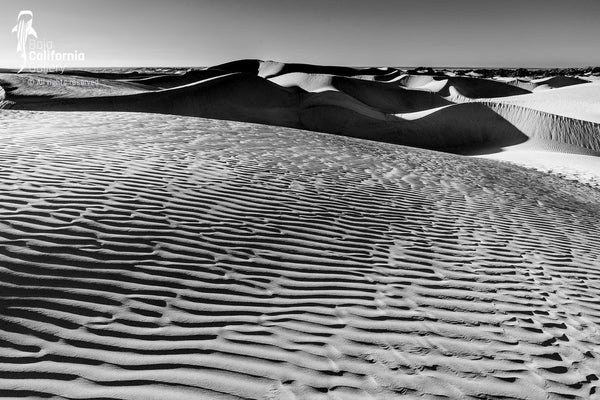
<point>328,65</point>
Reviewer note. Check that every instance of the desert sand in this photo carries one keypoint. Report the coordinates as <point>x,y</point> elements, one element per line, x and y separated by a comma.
<point>260,230</point>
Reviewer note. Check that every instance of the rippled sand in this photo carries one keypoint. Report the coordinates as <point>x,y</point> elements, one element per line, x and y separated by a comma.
<point>161,257</point>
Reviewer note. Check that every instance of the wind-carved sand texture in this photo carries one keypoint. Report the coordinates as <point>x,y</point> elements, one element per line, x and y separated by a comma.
<point>148,256</point>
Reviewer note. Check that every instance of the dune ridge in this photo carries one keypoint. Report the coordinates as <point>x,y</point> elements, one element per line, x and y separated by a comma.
<point>422,107</point>
<point>271,69</point>
<point>150,256</point>
<point>358,109</point>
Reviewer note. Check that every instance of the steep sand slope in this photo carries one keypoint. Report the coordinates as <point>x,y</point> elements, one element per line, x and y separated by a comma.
<point>551,129</point>
<point>579,102</point>
<point>161,257</point>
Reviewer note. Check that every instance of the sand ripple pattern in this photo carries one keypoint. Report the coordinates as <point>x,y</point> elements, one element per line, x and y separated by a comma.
<point>163,257</point>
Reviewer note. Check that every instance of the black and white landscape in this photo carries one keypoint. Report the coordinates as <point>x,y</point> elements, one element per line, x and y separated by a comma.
<point>288,230</point>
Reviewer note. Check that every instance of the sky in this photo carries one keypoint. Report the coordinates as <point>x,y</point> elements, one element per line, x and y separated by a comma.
<point>192,33</point>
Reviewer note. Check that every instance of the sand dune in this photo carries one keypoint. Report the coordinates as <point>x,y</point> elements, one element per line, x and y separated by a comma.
<point>149,256</point>
<point>234,96</point>
<point>383,104</point>
<point>383,97</point>
<point>557,82</point>
<point>340,105</point>
<point>541,84</point>
<point>473,88</point>
<point>464,127</point>
<point>270,69</point>
<point>315,83</point>
<point>563,127</point>
<point>388,98</point>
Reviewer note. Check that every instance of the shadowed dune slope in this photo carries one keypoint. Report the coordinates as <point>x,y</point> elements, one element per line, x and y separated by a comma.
<point>238,97</point>
<point>412,109</point>
<point>388,98</point>
<point>458,127</point>
<point>150,257</point>
<point>473,88</point>
<point>249,98</point>
<point>384,97</point>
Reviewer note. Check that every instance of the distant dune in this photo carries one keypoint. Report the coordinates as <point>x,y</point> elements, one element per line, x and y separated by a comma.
<point>338,100</point>
<point>154,257</point>
<point>383,97</point>
<point>557,82</point>
<point>419,107</point>
<point>269,69</point>
<point>473,88</point>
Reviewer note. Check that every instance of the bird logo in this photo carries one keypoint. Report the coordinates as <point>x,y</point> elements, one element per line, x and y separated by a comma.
<point>24,29</point>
